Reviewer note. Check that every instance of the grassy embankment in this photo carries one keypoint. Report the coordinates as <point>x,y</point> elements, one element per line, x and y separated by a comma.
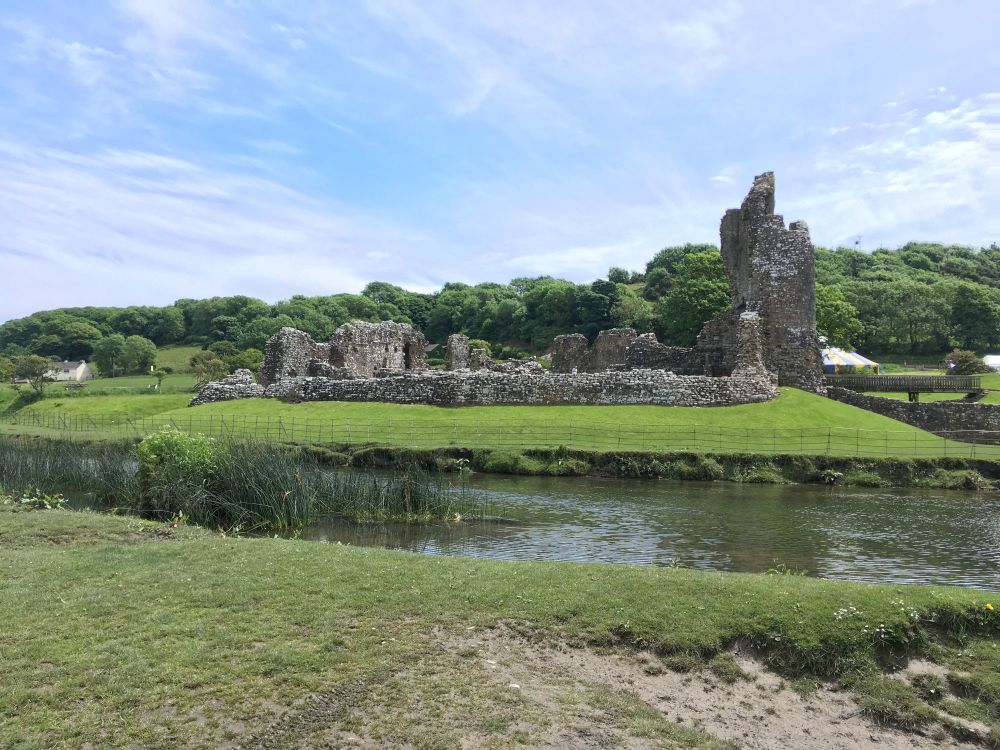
<point>797,423</point>
<point>122,632</point>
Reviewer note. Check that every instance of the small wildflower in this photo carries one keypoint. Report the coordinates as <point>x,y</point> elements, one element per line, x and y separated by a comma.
<point>989,607</point>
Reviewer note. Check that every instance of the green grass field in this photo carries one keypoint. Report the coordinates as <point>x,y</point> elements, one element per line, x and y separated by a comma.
<point>176,358</point>
<point>120,632</point>
<point>797,422</point>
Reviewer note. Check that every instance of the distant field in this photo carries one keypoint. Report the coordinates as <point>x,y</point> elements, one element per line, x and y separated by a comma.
<point>176,357</point>
<point>797,422</point>
<point>127,384</point>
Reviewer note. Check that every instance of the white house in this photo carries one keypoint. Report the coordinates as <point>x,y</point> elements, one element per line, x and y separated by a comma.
<point>71,371</point>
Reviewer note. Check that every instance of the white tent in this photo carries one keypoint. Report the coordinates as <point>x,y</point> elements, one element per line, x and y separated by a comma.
<point>992,361</point>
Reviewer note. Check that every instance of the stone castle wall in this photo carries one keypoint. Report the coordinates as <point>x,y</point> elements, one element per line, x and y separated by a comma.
<point>571,351</point>
<point>356,350</point>
<point>488,388</point>
<point>364,349</point>
<point>771,271</point>
<point>288,354</point>
<point>238,385</point>
<point>648,353</point>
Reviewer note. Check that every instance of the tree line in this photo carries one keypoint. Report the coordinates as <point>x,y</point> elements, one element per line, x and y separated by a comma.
<point>921,298</point>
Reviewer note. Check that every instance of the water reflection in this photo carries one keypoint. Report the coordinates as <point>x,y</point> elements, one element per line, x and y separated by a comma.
<point>897,536</point>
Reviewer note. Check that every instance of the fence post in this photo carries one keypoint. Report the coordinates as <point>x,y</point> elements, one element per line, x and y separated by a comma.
<point>828,448</point>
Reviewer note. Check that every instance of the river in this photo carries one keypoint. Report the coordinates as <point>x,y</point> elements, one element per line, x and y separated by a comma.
<point>884,536</point>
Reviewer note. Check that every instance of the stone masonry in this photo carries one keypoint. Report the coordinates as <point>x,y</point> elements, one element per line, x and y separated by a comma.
<point>456,355</point>
<point>950,419</point>
<point>238,385</point>
<point>571,352</point>
<point>287,354</point>
<point>356,350</point>
<point>463,388</point>
<point>770,328</point>
<point>771,271</point>
<point>364,349</point>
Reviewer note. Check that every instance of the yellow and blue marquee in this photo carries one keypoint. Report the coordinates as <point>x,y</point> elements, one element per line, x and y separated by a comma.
<point>838,362</point>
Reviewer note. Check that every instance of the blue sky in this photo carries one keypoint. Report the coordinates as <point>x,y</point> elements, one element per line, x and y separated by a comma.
<point>159,149</point>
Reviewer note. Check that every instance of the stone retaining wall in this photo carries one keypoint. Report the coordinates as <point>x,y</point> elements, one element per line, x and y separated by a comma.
<point>945,418</point>
<point>487,388</point>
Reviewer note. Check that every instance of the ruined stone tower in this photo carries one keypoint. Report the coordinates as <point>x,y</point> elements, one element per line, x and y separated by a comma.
<point>772,271</point>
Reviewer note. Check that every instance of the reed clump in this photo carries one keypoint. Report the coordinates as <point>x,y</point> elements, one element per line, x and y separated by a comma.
<point>252,487</point>
<point>255,486</point>
<point>104,474</point>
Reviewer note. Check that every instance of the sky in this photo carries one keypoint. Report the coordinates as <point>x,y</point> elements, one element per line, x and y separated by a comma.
<point>152,150</point>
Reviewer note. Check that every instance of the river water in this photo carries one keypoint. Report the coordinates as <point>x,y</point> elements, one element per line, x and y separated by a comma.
<point>884,536</point>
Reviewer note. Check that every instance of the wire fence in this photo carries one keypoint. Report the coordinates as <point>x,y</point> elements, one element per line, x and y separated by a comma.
<point>572,434</point>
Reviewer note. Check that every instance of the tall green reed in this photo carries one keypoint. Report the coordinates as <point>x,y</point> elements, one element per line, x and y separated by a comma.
<point>100,473</point>
<point>252,486</point>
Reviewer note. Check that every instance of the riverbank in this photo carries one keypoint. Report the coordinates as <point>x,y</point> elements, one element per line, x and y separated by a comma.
<point>125,632</point>
<point>939,473</point>
<point>954,473</point>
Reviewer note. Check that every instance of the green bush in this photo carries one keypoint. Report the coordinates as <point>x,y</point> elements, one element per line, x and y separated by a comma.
<point>699,468</point>
<point>513,462</point>
<point>863,478</point>
<point>966,363</point>
<point>960,479</point>
<point>176,469</point>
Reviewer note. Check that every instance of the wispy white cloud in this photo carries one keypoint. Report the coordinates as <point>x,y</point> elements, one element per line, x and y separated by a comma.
<point>915,173</point>
<point>117,226</point>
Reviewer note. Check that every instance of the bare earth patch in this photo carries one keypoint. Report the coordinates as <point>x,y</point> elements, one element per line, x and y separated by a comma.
<point>493,688</point>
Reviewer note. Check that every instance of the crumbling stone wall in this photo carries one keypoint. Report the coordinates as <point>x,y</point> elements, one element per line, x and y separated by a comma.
<point>480,360</point>
<point>571,351</point>
<point>771,271</point>
<point>487,388</point>
<point>287,354</point>
<point>356,350</point>
<point>749,349</point>
<point>238,385</point>
<point>366,348</point>
<point>456,356</point>
<point>648,353</point>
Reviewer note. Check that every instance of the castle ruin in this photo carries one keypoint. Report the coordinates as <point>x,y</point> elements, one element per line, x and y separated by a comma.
<point>771,272</point>
<point>766,337</point>
<point>355,350</point>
